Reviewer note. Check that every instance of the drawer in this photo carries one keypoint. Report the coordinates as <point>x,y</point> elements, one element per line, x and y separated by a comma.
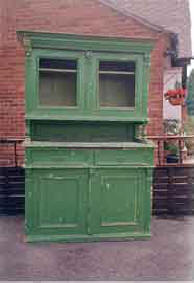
<point>58,156</point>
<point>139,156</point>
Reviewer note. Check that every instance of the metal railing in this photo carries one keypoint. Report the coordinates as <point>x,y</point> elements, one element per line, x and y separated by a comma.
<point>158,140</point>
<point>160,147</point>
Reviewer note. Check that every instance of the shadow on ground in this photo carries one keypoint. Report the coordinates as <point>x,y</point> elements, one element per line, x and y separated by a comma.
<point>167,256</point>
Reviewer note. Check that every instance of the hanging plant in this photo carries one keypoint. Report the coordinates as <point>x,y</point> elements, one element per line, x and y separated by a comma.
<point>176,96</point>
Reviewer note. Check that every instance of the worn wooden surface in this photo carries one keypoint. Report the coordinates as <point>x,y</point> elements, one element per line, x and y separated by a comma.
<point>106,192</point>
<point>97,188</point>
<point>82,132</point>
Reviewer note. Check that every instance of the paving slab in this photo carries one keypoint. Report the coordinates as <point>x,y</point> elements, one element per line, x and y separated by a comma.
<point>168,255</point>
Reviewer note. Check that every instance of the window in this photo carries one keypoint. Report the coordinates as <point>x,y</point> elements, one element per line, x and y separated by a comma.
<point>57,82</point>
<point>116,84</point>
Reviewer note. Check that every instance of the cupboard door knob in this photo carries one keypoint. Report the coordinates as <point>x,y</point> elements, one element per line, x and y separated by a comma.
<point>107,186</point>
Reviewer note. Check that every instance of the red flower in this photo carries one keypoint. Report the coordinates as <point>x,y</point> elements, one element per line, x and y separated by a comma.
<point>176,96</point>
<point>180,92</point>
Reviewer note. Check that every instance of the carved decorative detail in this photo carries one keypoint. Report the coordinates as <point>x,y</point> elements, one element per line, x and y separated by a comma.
<point>141,132</point>
<point>27,140</point>
<point>88,54</point>
<point>147,59</point>
<point>27,46</point>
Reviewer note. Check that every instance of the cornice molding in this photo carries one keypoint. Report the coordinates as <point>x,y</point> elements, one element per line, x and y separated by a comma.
<point>59,41</point>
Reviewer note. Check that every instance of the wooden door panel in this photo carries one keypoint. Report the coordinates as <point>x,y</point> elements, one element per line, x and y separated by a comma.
<point>117,201</point>
<point>60,201</point>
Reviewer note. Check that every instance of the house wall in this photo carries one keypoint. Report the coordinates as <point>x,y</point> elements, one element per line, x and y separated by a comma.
<point>64,16</point>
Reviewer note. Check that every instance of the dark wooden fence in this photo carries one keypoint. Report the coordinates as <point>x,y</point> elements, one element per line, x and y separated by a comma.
<point>173,190</point>
<point>11,190</point>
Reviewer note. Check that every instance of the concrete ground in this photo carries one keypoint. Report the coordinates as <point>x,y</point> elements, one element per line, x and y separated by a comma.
<point>167,256</point>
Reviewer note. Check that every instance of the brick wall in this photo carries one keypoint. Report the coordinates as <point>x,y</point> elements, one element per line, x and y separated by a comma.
<point>87,17</point>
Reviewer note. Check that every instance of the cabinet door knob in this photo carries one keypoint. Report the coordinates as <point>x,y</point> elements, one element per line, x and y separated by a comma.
<point>107,186</point>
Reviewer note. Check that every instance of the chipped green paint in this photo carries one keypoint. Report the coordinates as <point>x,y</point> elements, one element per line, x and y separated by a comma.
<point>87,205</point>
<point>88,174</point>
<point>88,193</point>
<point>87,202</point>
<point>81,131</point>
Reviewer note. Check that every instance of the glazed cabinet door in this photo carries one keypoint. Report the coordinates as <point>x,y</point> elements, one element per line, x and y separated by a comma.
<point>55,84</point>
<point>118,86</point>
<point>119,202</point>
<point>56,201</point>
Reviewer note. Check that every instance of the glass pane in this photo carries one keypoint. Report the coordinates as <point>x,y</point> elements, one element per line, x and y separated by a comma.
<point>117,84</point>
<point>126,66</point>
<point>57,82</point>
<point>58,64</point>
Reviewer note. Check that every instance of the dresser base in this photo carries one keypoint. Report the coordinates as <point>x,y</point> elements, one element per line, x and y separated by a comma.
<point>88,238</point>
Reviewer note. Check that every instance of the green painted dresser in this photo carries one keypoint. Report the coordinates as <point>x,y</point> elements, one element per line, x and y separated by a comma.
<point>88,164</point>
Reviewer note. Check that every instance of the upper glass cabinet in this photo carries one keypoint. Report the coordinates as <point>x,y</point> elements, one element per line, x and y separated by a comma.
<point>87,80</point>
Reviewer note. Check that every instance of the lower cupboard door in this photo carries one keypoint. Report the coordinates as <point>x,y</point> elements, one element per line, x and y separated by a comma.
<point>119,202</point>
<point>56,201</point>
